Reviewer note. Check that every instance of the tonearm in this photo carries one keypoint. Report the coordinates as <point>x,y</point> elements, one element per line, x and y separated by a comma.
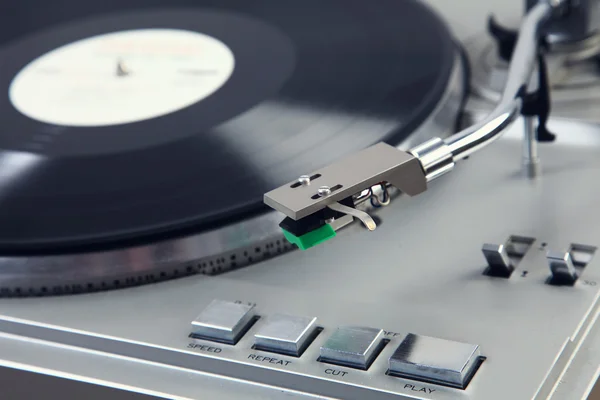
<point>315,200</point>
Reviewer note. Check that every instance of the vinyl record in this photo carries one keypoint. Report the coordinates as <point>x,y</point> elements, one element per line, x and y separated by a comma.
<point>135,120</point>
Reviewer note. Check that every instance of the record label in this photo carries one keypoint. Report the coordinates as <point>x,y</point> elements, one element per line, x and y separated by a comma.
<point>122,77</point>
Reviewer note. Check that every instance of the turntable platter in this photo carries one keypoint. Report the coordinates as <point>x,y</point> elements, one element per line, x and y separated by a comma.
<point>125,121</point>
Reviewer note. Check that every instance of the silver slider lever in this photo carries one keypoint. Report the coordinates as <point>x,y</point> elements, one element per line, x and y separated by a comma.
<point>499,262</point>
<point>562,268</point>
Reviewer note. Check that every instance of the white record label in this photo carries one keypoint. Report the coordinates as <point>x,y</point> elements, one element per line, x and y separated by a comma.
<point>121,77</point>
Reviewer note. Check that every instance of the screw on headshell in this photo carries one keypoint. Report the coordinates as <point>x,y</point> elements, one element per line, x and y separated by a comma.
<point>304,180</point>
<point>324,191</point>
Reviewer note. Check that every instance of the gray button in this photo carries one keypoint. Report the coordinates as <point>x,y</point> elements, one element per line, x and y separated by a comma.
<point>223,321</point>
<point>285,334</point>
<point>352,346</point>
<point>435,360</point>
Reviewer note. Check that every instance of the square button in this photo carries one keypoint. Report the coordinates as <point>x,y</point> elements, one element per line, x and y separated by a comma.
<point>223,321</point>
<point>354,347</point>
<point>286,334</point>
<point>435,360</point>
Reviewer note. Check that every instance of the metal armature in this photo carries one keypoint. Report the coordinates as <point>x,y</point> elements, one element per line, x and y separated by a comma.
<point>439,156</point>
<point>411,171</point>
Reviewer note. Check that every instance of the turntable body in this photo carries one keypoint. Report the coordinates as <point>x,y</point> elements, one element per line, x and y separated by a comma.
<point>421,272</point>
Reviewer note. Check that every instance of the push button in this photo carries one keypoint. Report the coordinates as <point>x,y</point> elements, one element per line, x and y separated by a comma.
<point>354,347</point>
<point>223,321</point>
<point>435,360</point>
<point>286,334</point>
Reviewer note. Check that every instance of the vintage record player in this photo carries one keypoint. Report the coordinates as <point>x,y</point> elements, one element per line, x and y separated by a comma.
<point>283,199</point>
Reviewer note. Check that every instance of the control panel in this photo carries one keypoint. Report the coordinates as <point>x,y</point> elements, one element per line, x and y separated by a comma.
<point>426,307</point>
<point>415,357</point>
<point>504,258</point>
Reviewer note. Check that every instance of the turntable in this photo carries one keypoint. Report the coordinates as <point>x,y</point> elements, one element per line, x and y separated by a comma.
<point>316,199</point>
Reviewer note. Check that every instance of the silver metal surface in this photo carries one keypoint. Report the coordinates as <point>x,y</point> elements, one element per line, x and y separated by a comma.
<point>324,191</point>
<point>497,258</point>
<point>582,254</point>
<point>365,218</point>
<point>342,222</point>
<point>285,333</point>
<point>351,175</point>
<point>435,157</point>
<point>562,268</point>
<point>531,160</point>
<point>518,246</point>
<point>304,180</point>
<point>435,360</point>
<point>223,321</point>
<point>352,346</point>
<point>212,252</point>
<point>138,339</point>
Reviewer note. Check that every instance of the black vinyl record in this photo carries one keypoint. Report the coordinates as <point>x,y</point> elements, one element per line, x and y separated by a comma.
<point>309,82</point>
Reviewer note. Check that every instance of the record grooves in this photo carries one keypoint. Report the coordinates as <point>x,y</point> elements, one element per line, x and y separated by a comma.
<point>312,82</point>
<point>146,154</point>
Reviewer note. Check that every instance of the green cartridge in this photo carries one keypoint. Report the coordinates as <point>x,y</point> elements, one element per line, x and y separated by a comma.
<point>311,238</point>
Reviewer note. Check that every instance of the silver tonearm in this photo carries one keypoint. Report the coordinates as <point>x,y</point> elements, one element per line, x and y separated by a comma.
<point>410,171</point>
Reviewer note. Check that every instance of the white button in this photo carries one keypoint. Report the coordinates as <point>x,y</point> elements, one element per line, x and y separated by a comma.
<point>223,321</point>
<point>285,334</point>
<point>435,360</point>
<point>354,347</point>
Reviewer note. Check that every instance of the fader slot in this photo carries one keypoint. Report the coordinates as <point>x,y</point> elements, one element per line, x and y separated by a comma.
<point>503,259</point>
<point>581,254</point>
